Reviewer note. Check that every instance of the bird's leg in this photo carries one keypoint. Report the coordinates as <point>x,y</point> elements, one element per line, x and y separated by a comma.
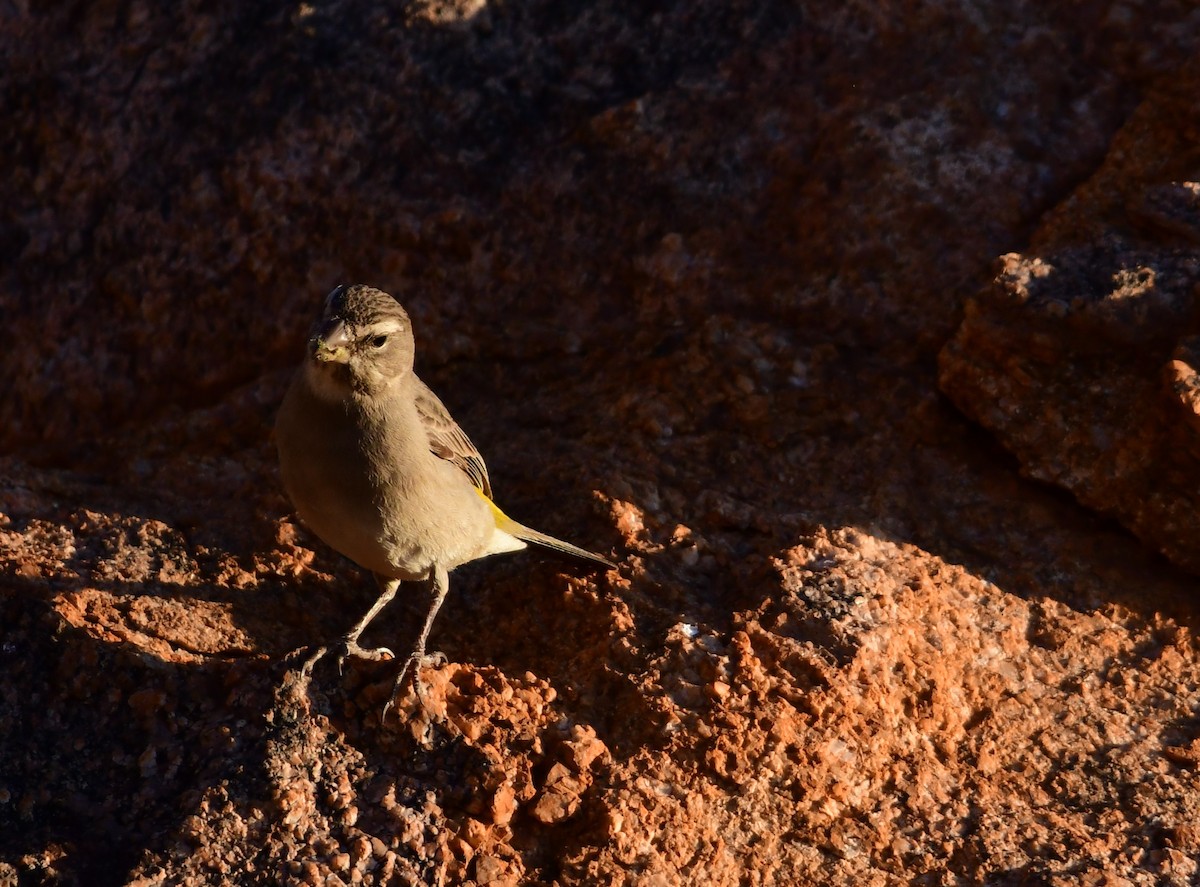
<point>439,584</point>
<point>349,645</point>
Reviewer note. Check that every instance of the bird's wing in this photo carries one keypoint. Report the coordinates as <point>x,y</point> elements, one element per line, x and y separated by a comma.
<point>448,441</point>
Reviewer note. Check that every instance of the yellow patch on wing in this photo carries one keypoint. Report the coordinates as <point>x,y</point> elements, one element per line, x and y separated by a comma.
<point>502,520</point>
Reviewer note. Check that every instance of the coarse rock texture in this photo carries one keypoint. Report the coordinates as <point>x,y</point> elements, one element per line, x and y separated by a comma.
<point>1082,356</point>
<point>683,272</point>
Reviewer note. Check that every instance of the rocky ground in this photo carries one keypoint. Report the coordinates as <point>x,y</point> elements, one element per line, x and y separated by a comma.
<point>862,337</point>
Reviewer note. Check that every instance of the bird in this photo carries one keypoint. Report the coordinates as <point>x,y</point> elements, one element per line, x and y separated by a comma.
<point>378,469</point>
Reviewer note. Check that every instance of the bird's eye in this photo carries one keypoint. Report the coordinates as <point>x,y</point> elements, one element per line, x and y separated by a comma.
<point>378,341</point>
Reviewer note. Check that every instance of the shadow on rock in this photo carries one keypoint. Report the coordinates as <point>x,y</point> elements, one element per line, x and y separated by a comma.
<point>108,750</point>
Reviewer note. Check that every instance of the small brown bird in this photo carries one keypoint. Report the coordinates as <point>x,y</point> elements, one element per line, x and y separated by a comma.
<point>377,467</point>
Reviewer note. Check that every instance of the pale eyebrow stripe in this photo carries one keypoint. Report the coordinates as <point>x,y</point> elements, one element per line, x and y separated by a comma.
<point>387,325</point>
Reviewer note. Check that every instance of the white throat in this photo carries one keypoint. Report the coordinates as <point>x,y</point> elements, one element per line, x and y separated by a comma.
<point>322,384</point>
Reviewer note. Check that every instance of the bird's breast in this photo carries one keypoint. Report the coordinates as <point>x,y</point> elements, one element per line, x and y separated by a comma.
<point>367,484</point>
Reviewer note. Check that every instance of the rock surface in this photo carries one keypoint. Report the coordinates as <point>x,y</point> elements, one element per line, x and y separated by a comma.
<point>683,273</point>
<point>1082,355</point>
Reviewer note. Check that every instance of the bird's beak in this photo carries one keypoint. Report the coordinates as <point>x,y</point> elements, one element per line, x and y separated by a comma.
<point>331,343</point>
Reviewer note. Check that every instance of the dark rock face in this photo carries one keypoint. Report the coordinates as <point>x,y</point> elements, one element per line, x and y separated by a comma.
<point>690,275</point>
<point>1081,356</point>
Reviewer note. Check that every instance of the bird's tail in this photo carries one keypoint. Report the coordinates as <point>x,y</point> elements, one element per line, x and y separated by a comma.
<point>526,534</point>
<point>506,524</point>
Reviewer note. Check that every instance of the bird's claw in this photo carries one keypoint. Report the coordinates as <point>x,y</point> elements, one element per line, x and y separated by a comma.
<point>307,667</point>
<point>351,649</point>
<point>347,648</point>
<point>412,665</point>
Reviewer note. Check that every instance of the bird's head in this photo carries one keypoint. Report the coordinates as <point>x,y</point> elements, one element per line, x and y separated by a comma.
<point>363,342</point>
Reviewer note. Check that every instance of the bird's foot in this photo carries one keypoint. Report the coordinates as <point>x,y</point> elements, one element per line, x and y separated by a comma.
<point>413,666</point>
<point>315,657</point>
<point>350,649</point>
<point>347,648</point>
